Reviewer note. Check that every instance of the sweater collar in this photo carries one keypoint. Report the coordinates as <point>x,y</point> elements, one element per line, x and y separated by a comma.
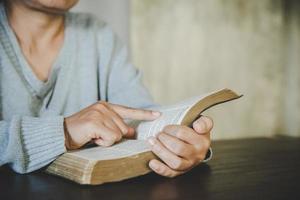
<point>37,87</point>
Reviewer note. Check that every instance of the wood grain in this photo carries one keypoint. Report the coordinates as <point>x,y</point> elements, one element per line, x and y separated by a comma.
<point>240,169</point>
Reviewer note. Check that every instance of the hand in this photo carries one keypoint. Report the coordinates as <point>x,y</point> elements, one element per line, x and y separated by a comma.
<point>180,147</point>
<point>103,123</point>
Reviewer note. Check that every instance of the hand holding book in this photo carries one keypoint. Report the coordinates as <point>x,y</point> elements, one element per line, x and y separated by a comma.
<point>180,147</point>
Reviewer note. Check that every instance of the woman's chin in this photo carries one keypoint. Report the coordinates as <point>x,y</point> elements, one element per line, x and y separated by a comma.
<point>51,6</point>
<point>51,10</point>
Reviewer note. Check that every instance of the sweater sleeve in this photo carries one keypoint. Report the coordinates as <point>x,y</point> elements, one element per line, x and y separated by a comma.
<point>28,143</point>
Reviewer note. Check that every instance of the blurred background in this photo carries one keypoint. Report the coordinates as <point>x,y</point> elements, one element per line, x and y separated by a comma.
<point>189,47</point>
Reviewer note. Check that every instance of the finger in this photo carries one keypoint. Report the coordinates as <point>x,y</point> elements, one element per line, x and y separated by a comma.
<point>194,153</point>
<point>203,125</point>
<point>118,120</point>
<point>103,117</point>
<point>133,113</point>
<point>175,145</point>
<point>184,133</point>
<point>130,134</point>
<point>205,141</point>
<point>104,108</point>
<point>109,123</point>
<point>106,135</point>
<point>162,169</point>
<point>172,160</point>
<point>100,142</point>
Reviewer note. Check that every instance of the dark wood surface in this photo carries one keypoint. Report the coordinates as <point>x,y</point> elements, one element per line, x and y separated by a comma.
<point>240,169</point>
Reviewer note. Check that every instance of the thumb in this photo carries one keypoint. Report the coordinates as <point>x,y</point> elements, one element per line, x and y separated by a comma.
<point>134,113</point>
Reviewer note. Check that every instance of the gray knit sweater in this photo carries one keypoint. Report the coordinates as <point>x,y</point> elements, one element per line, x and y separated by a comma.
<point>91,66</point>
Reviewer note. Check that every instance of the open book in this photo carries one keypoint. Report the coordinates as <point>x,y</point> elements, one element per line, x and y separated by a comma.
<point>129,158</point>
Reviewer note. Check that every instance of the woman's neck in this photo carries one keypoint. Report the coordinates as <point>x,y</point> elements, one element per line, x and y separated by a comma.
<point>40,36</point>
<point>32,26</point>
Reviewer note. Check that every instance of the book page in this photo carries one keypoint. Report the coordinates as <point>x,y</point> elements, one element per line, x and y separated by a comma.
<point>122,149</point>
<point>184,112</point>
<point>169,115</point>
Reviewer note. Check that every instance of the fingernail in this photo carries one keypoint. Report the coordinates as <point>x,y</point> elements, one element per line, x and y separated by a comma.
<point>156,113</point>
<point>201,125</point>
<point>151,140</point>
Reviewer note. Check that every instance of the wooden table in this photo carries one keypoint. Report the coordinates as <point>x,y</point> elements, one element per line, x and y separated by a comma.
<point>240,169</point>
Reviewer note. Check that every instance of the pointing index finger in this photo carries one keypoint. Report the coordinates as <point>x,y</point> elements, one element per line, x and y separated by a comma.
<point>134,113</point>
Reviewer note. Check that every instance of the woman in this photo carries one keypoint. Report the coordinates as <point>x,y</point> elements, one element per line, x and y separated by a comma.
<point>59,70</point>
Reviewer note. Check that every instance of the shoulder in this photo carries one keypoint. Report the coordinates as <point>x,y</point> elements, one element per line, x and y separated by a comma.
<point>94,32</point>
<point>84,20</point>
<point>87,23</point>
